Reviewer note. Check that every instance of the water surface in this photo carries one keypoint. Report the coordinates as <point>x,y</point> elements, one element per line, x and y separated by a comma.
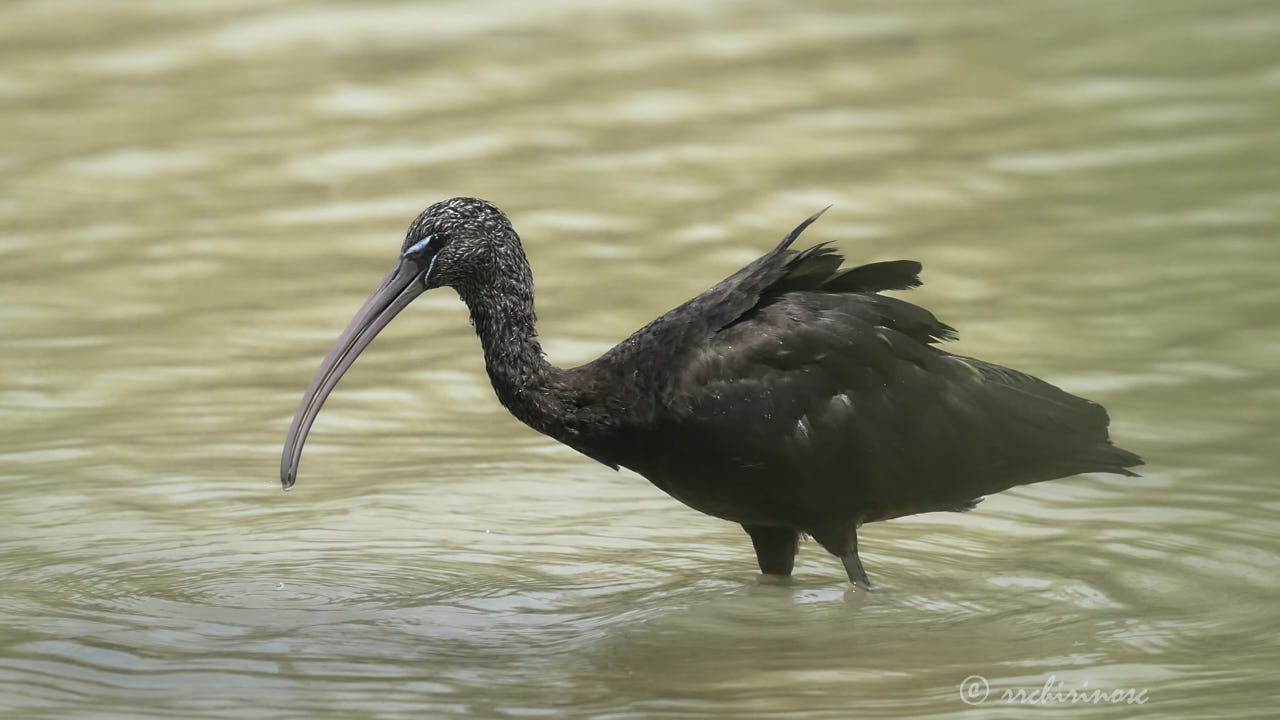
<point>195,197</point>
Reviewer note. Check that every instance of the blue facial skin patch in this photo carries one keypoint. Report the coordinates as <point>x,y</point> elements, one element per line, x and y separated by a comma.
<point>417,246</point>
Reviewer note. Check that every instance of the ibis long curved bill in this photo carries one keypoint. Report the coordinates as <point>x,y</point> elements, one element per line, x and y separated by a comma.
<point>405,282</point>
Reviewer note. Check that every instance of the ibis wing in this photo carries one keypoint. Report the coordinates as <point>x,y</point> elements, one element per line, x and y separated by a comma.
<point>680,334</point>
<point>841,396</point>
<point>794,382</point>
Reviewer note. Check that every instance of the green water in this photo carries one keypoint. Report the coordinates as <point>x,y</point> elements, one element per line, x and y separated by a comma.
<point>195,197</point>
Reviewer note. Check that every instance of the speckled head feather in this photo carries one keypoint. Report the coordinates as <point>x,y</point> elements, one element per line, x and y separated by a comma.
<point>456,216</point>
<point>469,245</point>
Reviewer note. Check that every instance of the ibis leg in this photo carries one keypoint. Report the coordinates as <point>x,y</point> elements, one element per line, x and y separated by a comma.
<point>776,548</point>
<point>853,566</point>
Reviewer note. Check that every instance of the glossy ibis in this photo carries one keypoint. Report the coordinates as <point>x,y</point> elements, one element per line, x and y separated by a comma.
<point>791,398</point>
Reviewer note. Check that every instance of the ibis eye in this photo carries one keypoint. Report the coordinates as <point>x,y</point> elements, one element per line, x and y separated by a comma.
<point>417,246</point>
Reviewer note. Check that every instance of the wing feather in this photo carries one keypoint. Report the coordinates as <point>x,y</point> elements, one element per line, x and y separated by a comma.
<point>844,398</point>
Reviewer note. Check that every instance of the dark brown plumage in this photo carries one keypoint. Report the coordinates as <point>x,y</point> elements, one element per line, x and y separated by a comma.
<point>790,398</point>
